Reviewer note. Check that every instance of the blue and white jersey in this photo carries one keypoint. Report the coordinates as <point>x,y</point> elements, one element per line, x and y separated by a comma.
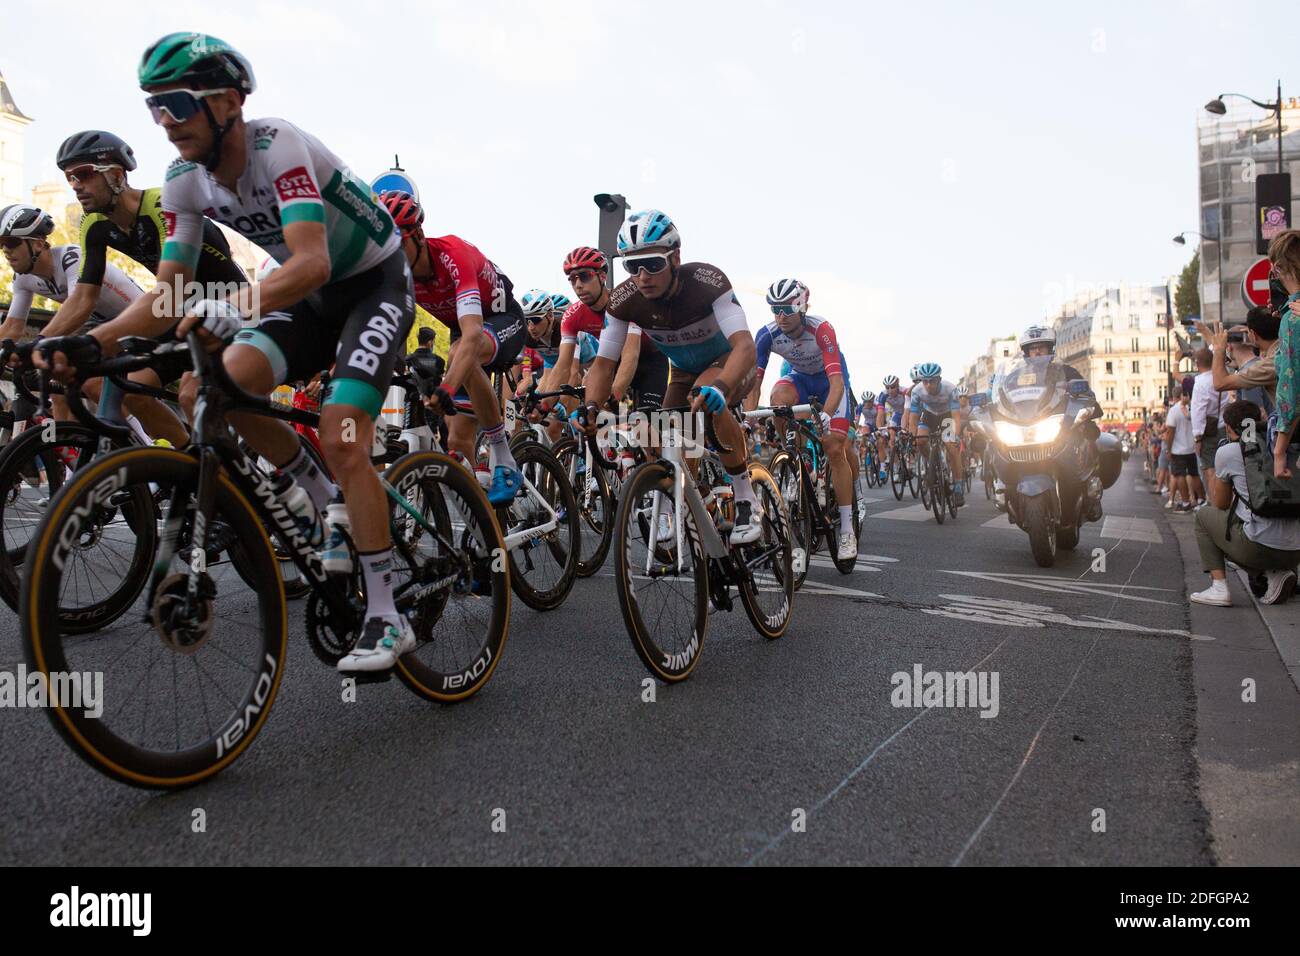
<point>942,402</point>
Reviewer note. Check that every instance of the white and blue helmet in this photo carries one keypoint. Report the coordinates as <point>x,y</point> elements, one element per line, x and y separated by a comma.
<point>560,302</point>
<point>648,229</point>
<point>536,303</point>
<point>929,370</point>
<point>788,294</point>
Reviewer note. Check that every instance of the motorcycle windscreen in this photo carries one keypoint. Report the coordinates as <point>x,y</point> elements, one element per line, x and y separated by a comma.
<point>1031,388</point>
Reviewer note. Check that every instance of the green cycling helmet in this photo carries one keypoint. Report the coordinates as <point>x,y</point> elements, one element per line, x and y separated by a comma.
<point>197,60</point>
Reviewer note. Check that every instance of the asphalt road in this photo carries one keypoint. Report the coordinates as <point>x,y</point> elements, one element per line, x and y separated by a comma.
<point>1095,723</point>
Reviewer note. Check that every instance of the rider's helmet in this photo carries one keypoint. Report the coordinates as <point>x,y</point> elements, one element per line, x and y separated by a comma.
<point>537,304</point>
<point>788,297</point>
<point>560,302</point>
<point>961,391</point>
<point>407,213</point>
<point>95,146</point>
<point>891,381</point>
<point>585,257</point>
<point>928,370</point>
<point>1038,335</point>
<point>21,221</point>
<point>648,229</point>
<point>868,397</point>
<point>915,377</point>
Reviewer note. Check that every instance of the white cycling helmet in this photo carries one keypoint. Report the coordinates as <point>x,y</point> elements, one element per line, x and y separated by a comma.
<point>1038,335</point>
<point>891,381</point>
<point>648,229</point>
<point>536,304</point>
<point>914,375</point>
<point>788,294</point>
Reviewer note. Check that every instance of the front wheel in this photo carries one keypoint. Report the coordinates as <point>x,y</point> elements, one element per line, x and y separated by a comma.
<point>595,505</point>
<point>665,603</point>
<point>1042,529</point>
<point>788,475</point>
<point>188,675</point>
<point>543,564</point>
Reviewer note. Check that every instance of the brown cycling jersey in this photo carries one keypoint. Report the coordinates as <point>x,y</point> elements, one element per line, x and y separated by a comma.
<point>691,325</point>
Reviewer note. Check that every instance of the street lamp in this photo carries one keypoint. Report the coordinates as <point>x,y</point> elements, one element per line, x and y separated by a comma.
<point>1181,239</point>
<point>1217,107</point>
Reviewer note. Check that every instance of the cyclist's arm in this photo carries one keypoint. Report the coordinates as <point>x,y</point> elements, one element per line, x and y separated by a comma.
<point>305,271</point>
<point>16,321</point>
<point>73,314</point>
<point>743,355</point>
<point>613,337</point>
<point>834,392</point>
<point>465,357</point>
<point>564,365</point>
<point>627,364</point>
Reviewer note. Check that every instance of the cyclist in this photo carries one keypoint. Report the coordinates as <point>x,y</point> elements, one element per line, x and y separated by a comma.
<point>890,405</point>
<point>642,368</point>
<point>463,289</point>
<point>819,371</point>
<point>862,432</point>
<point>934,407</point>
<point>51,271</point>
<point>284,190</point>
<point>690,312</point>
<point>117,216</point>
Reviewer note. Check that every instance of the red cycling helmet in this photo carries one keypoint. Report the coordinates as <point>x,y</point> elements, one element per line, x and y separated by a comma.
<point>407,213</point>
<point>585,257</point>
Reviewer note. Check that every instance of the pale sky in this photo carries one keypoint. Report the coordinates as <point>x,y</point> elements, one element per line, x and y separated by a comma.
<point>937,173</point>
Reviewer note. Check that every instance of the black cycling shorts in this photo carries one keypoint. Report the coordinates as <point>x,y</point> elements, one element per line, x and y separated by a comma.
<point>937,423</point>
<point>359,325</point>
<point>650,380</point>
<point>507,330</point>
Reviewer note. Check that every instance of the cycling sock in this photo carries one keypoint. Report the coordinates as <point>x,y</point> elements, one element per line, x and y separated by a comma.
<point>303,470</point>
<point>499,448</point>
<point>377,567</point>
<point>846,518</point>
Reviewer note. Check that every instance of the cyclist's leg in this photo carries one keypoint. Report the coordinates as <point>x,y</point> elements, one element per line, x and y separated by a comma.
<point>155,417</point>
<point>502,340</point>
<point>785,392</point>
<point>736,462</point>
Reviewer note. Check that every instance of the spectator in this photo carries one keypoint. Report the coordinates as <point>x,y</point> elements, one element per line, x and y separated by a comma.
<point>1284,254</point>
<point>1206,406</point>
<point>1255,380</point>
<point>1182,454</point>
<point>1271,545</point>
<point>1160,451</point>
<point>425,365</point>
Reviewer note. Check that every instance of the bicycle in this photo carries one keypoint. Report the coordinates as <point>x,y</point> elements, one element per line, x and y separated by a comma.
<point>450,578</point>
<point>669,573</point>
<point>903,465</point>
<point>939,483</point>
<point>802,473</point>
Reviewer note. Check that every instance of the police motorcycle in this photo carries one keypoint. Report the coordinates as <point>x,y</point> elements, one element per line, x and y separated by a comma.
<point>1052,461</point>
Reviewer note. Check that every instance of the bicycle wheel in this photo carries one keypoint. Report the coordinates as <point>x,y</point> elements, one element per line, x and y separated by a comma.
<point>182,691</point>
<point>915,471</point>
<point>923,479</point>
<point>665,606</point>
<point>767,591</point>
<point>455,584</point>
<point>937,479</point>
<point>785,472</point>
<point>595,505</point>
<point>543,565</point>
<point>897,473</point>
<point>833,530</point>
<point>32,471</point>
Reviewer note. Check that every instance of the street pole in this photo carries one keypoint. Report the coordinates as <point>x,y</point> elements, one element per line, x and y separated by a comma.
<point>1279,126</point>
<point>1169,334</point>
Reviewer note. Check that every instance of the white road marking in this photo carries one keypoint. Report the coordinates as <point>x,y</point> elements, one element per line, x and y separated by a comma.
<point>984,610</point>
<point>917,512</point>
<point>1131,529</point>
<point>1089,586</point>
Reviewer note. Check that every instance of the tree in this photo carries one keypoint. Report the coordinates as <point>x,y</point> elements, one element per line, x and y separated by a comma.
<point>1187,298</point>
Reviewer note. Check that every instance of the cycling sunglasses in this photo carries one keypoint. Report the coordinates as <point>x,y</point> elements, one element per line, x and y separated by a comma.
<point>783,310</point>
<point>651,265</point>
<point>180,105</point>
<point>79,174</point>
<point>11,242</point>
<point>581,275</point>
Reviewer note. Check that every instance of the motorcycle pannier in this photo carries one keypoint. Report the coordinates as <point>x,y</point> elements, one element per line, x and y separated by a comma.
<point>1111,458</point>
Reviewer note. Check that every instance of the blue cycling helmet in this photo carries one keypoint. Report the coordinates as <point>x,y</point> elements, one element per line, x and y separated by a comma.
<point>536,303</point>
<point>929,370</point>
<point>648,229</point>
<point>560,302</point>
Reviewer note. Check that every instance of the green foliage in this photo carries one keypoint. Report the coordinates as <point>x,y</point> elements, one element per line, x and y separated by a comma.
<point>1187,297</point>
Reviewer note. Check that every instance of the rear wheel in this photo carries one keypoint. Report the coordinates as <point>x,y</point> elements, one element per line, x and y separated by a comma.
<point>543,566</point>
<point>767,592</point>
<point>788,477</point>
<point>595,505</point>
<point>897,473</point>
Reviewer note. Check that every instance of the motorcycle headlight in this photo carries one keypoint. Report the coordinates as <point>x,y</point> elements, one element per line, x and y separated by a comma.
<point>1040,433</point>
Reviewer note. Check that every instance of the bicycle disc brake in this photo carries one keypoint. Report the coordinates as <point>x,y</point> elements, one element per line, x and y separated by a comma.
<point>182,625</point>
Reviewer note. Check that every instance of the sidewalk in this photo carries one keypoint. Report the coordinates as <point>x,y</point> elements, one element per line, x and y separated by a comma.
<point>1248,752</point>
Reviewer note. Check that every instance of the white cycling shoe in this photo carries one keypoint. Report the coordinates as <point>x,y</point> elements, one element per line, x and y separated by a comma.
<point>848,547</point>
<point>382,642</point>
<point>745,530</point>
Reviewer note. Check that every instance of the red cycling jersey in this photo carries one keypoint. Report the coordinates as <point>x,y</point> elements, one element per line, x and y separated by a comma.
<point>583,318</point>
<point>464,281</point>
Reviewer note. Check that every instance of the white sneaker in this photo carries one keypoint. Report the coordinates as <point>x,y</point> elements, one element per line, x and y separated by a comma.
<point>1169,504</point>
<point>1281,585</point>
<point>848,547</point>
<point>382,642</point>
<point>1216,594</point>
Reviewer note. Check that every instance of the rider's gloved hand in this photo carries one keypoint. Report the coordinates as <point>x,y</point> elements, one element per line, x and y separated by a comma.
<point>219,318</point>
<point>443,400</point>
<point>714,399</point>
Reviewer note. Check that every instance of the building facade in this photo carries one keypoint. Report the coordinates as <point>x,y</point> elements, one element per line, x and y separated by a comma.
<point>13,126</point>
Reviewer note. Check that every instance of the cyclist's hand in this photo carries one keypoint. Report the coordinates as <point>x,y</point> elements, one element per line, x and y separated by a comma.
<point>63,354</point>
<point>711,399</point>
<point>826,421</point>
<point>443,400</point>
<point>217,319</point>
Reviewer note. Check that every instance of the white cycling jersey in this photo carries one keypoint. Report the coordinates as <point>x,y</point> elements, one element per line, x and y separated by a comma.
<point>117,291</point>
<point>289,177</point>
